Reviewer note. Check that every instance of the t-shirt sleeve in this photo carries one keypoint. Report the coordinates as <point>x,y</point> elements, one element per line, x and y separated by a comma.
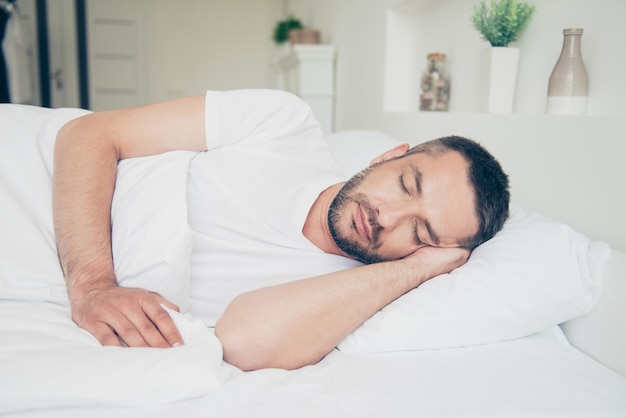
<point>256,115</point>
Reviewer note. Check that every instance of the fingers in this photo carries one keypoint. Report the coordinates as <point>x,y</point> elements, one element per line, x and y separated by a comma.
<point>165,324</point>
<point>135,329</point>
<point>165,302</point>
<point>104,334</point>
<point>434,261</point>
<point>163,330</point>
<point>452,257</point>
<point>456,256</point>
<point>147,324</point>
<point>124,316</point>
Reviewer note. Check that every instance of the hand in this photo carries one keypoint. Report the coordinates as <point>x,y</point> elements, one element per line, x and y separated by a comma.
<point>134,317</point>
<point>433,261</point>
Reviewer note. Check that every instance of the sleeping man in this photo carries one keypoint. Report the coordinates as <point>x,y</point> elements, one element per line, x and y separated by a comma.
<point>266,199</point>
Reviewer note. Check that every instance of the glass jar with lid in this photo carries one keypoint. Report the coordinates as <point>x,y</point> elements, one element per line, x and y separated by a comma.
<point>435,83</point>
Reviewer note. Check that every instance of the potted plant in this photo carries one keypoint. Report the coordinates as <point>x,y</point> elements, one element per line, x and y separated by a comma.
<point>292,30</point>
<point>500,23</point>
<point>282,28</point>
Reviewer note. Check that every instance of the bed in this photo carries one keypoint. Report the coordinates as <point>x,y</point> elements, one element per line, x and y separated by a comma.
<point>533,325</point>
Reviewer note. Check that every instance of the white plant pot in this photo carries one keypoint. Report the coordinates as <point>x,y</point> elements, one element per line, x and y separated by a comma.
<point>498,76</point>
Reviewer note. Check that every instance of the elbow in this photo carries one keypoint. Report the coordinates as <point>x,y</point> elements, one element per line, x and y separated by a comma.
<point>253,355</point>
<point>250,345</point>
<point>69,132</point>
<point>244,349</point>
<point>86,132</point>
<point>63,140</point>
<point>237,336</point>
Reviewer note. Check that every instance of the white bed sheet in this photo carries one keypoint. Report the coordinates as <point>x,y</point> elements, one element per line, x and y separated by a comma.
<point>540,375</point>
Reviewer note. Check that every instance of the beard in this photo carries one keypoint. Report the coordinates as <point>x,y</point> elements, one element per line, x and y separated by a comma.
<point>339,206</point>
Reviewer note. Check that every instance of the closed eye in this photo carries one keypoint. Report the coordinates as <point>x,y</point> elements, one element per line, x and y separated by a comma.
<point>418,180</point>
<point>416,236</point>
<point>402,185</point>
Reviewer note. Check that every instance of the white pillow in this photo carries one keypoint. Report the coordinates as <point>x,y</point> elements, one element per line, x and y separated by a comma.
<point>533,274</point>
<point>355,149</point>
<point>151,237</point>
<point>27,136</point>
<point>150,234</point>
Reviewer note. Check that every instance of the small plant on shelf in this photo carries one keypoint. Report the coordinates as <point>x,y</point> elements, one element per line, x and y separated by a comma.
<point>282,28</point>
<point>502,21</point>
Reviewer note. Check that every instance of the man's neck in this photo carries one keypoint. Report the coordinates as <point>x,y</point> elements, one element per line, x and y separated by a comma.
<point>316,225</point>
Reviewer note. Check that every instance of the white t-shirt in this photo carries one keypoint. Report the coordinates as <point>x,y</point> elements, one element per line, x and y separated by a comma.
<point>249,196</point>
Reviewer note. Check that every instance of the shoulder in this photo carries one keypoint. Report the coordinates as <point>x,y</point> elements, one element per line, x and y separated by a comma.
<point>253,114</point>
<point>256,98</point>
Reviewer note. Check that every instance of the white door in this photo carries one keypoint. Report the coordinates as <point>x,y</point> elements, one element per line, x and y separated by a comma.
<point>62,49</point>
<point>20,49</point>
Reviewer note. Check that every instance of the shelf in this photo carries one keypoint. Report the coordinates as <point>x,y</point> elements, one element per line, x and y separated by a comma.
<point>415,28</point>
<point>414,6</point>
<point>409,24</point>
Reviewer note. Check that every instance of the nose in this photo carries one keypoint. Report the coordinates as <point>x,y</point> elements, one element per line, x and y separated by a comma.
<point>396,212</point>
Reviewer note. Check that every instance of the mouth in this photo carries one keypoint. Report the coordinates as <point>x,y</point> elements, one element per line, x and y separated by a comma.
<point>361,223</point>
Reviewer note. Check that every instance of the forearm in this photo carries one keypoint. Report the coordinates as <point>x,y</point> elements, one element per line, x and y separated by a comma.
<point>84,179</point>
<point>298,323</point>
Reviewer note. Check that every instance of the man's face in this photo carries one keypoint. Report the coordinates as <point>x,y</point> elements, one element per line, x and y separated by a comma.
<point>391,210</point>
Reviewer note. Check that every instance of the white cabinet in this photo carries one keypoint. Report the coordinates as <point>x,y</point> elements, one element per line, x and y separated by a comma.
<point>309,72</point>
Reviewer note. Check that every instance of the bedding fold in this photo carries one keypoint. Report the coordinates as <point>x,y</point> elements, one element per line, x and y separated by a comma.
<point>54,363</point>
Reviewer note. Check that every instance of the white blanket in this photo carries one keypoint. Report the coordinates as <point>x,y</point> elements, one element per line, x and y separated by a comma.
<point>50,368</point>
<point>47,361</point>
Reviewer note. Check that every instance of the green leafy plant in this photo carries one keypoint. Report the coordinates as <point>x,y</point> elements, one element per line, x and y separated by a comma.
<point>502,21</point>
<point>282,28</point>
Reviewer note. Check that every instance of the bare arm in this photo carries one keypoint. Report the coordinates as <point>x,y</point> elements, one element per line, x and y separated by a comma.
<point>298,323</point>
<point>87,151</point>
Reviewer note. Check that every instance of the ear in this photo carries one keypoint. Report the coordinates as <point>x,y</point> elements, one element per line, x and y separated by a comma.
<point>394,152</point>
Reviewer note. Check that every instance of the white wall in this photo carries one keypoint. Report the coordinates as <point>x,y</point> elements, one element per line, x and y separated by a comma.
<point>194,45</point>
